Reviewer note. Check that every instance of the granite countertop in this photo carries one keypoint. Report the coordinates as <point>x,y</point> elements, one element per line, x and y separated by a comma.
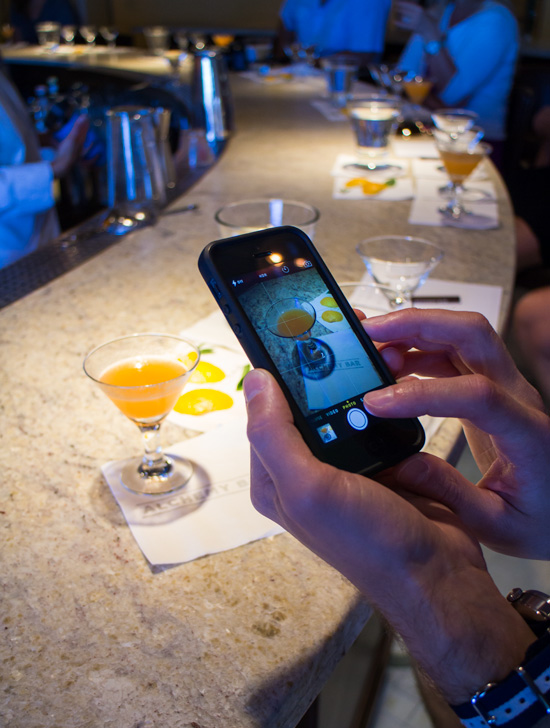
<point>90,635</point>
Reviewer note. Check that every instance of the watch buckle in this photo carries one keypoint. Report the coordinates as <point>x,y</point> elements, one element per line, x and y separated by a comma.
<point>484,715</point>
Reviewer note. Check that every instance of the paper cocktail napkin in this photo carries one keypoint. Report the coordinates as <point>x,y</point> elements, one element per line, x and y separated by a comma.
<point>211,513</point>
<point>220,347</point>
<point>425,209</point>
<point>400,185</point>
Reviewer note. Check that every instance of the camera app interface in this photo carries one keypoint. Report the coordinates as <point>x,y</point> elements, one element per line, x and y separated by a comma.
<point>312,344</point>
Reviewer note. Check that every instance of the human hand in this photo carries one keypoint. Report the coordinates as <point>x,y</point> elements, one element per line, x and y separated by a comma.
<point>473,378</point>
<point>411,16</point>
<point>70,148</point>
<point>410,556</point>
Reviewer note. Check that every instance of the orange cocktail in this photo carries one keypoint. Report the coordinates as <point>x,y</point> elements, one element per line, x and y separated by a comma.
<point>144,388</point>
<point>143,375</point>
<point>294,323</point>
<point>460,164</point>
<point>417,90</point>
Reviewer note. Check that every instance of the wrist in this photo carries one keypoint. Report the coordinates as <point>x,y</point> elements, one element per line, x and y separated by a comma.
<point>465,635</point>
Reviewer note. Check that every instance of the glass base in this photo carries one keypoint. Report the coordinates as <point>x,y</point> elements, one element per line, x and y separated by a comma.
<point>468,194</point>
<point>168,479</point>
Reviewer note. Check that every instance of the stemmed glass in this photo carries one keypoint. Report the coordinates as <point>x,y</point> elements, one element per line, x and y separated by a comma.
<point>400,263</point>
<point>109,34</point>
<point>68,33</point>
<point>292,318</point>
<point>89,33</point>
<point>460,157</point>
<point>144,375</point>
<point>454,122</point>
<point>416,88</point>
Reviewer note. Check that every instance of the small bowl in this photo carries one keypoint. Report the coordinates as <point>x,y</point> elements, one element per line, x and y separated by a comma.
<point>248,216</point>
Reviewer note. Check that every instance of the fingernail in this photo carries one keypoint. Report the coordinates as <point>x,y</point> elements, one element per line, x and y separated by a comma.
<point>378,398</point>
<point>254,382</point>
<point>413,470</point>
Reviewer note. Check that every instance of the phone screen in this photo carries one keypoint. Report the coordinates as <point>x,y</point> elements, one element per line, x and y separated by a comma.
<point>292,319</point>
<point>312,344</point>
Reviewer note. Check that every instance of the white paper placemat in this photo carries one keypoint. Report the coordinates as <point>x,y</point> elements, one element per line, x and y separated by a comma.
<point>211,513</point>
<point>213,396</point>
<point>425,209</point>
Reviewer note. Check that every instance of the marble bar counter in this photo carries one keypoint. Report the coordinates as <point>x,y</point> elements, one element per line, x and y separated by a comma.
<point>91,636</point>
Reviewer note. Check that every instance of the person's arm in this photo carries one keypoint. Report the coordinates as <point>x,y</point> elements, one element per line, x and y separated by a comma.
<point>471,376</point>
<point>414,18</point>
<point>26,188</point>
<point>410,556</point>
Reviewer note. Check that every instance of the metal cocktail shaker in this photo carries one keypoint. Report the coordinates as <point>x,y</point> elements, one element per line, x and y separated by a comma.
<point>135,176</point>
<point>212,96</point>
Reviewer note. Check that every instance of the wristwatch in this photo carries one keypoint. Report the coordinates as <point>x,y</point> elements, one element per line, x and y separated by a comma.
<point>433,47</point>
<point>523,697</point>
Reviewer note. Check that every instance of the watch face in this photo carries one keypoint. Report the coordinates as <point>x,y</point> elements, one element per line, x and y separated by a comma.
<point>433,47</point>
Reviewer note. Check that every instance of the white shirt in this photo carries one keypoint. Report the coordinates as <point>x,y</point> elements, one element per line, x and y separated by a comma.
<point>27,215</point>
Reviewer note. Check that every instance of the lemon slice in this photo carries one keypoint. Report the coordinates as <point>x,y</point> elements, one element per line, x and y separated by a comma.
<point>368,187</point>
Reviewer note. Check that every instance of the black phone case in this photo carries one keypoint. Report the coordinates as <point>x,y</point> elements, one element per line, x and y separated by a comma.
<point>394,440</point>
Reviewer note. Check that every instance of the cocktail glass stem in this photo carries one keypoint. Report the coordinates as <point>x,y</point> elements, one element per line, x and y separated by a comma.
<point>154,464</point>
<point>454,207</point>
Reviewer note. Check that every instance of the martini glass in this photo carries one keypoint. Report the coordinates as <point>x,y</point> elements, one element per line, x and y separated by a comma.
<point>417,88</point>
<point>143,375</point>
<point>399,263</point>
<point>460,157</point>
<point>292,318</point>
<point>454,122</point>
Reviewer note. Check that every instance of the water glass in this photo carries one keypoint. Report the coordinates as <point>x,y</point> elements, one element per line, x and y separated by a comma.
<point>248,216</point>
<point>373,118</point>
<point>340,71</point>
<point>157,39</point>
<point>49,35</point>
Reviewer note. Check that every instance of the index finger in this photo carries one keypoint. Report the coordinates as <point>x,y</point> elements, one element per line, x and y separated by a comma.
<point>466,337</point>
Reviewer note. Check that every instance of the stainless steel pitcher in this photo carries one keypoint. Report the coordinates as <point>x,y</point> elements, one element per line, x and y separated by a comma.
<point>212,96</point>
<point>135,178</point>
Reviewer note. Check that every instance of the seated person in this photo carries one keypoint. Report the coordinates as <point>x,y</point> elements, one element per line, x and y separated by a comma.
<point>469,49</point>
<point>409,539</point>
<point>27,207</point>
<point>357,27</point>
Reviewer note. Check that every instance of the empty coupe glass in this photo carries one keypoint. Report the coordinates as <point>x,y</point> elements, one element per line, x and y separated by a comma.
<point>400,263</point>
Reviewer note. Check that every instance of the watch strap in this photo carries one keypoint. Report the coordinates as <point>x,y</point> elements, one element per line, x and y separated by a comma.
<point>518,701</point>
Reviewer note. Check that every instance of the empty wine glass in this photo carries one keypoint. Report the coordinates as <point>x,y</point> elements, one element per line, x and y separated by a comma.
<point>89,33</point>
<point>400,263</point>
<point>68,33</point>
<point>109,34</point>
<point>144,375</point>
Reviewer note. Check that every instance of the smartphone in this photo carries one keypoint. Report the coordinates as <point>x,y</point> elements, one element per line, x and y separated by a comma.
<point>291,318</point>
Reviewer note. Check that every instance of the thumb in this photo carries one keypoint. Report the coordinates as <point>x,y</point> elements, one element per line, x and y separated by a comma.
<point>431,477</point>
<point>272,432</point>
